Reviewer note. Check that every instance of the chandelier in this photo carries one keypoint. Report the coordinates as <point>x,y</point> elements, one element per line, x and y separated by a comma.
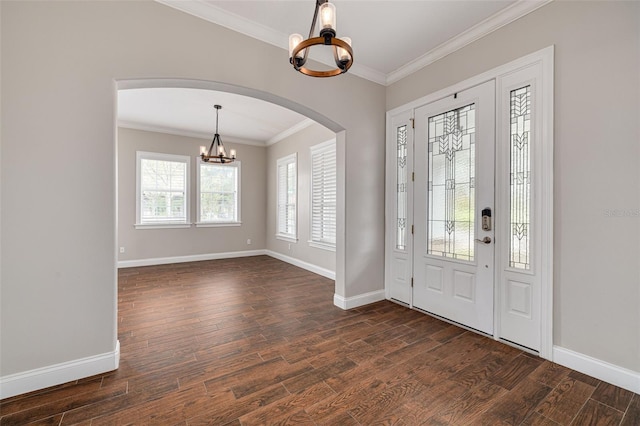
<point>342,52</point>
<point>216,152</point>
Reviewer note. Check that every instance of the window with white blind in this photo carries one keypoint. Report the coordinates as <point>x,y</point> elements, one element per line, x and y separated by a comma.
<point>162,190</point>
<point>323,195</point>
<point>287,198</point>
<point>218,194</point>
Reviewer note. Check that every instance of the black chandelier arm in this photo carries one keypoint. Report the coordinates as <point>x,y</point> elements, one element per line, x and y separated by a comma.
<point>213,142</point>
<point>299,62</point>
<point>342,66</point>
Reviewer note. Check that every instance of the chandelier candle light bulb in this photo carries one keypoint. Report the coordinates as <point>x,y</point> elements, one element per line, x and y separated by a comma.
<point>328,17</point>
<point>343,55</point>
<point>294,41</point>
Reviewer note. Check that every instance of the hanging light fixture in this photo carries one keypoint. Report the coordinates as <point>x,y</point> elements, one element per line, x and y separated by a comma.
<point>216,152</point>
<point>342,52</point>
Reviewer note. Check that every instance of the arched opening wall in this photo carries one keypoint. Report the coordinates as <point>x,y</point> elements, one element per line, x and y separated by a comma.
<point>62,63</point>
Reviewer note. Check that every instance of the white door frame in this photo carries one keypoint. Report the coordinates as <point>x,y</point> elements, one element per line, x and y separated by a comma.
<point>543,169</point>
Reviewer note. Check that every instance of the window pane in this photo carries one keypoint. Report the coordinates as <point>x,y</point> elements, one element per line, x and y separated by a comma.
<point>451,189</point>
<point>218,193</point>
<point>162,191</point>
<point>520,176</point>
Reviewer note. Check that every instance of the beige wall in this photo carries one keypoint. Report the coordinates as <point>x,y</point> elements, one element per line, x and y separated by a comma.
<point>597,161</point>
<point>299,143</point>
<point>60,61</point>
<point>154,243</point>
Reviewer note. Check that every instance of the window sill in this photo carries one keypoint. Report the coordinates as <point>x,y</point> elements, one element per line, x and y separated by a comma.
<point>216,224</point>
<point>323,246</point>
<point>162,225</point>
<point>288,238</point>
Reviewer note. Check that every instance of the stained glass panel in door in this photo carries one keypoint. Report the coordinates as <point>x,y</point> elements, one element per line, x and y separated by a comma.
<point>451,184</point>
<point>401,190</point>
<point>520,176</point>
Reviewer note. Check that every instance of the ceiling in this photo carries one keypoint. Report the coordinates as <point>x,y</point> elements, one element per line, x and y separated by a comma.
<point>190,112</point>
<point>391,39</point>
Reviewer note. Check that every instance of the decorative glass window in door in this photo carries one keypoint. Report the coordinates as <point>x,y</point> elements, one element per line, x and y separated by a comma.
<point>520,176</point>
<point>401,190</point>
<point>451,189</point>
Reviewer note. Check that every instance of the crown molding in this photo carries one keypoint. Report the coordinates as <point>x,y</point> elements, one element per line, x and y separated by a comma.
<point>290,131</point>
<point>222,17</point>
<point>367,73</point>
<point>232,21</point>
<point>489,25</point>
<point>180,132</point>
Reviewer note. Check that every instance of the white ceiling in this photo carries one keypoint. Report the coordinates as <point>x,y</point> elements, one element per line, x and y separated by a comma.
<point>190,112</point>
<point>391,39</point>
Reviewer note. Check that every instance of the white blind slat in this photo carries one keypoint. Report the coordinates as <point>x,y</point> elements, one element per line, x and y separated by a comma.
<point>323,194</point>
<point>287,195</point>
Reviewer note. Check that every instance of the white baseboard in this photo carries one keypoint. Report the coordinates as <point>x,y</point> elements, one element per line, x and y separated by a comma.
<point>301,264</point>
<point>359,300</point>
<point>191,258</point>
<point>602,370</point>
<point>40,378</point>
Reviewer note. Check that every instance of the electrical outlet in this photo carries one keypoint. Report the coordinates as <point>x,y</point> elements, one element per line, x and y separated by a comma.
<point>249,241</point>
<point>121,249</point>
<point>289,246</point>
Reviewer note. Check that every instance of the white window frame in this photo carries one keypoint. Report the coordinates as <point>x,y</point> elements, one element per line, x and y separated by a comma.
<point>284,162</point>
<point>320,149</point>
<point>211,224</point>
<point>144,155</point>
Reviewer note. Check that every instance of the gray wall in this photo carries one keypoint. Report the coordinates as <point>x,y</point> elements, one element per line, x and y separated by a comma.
<point>154,243</point>
<point>300,143</point>
<point>60,61</point>
<point>597,161</point>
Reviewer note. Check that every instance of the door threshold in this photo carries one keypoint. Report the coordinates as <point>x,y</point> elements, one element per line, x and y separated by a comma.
<point>518,346</point>
<point>466,327</point>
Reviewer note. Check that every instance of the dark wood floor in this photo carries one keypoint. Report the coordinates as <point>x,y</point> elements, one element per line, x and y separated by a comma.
<point>257,341</point>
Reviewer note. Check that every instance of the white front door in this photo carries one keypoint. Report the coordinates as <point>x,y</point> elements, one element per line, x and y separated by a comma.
<point>449,157</point>
<point>453,256</point>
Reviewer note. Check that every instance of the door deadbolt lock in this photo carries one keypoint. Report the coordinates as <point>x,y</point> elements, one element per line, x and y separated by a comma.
<point>486,219</point>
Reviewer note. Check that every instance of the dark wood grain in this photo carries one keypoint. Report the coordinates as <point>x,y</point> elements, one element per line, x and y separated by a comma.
<point>514,407</point>
<point>564,402</point>
<point>549,373</point>
<point>515,371</point>
<point>612,396</point>
<point>258,341</point>
<point>597,414</point>
<point>632,415</point>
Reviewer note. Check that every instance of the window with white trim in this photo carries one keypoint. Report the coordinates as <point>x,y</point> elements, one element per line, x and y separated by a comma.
<point>162,190</point>
<point>323,195</point>
<point>218,194</point>
<point>287,197</point>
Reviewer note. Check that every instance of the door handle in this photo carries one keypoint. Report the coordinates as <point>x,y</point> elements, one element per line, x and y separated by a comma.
<point>485,240</point>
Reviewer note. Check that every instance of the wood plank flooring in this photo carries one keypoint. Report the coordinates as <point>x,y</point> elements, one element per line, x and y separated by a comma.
<point>257,341</point>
